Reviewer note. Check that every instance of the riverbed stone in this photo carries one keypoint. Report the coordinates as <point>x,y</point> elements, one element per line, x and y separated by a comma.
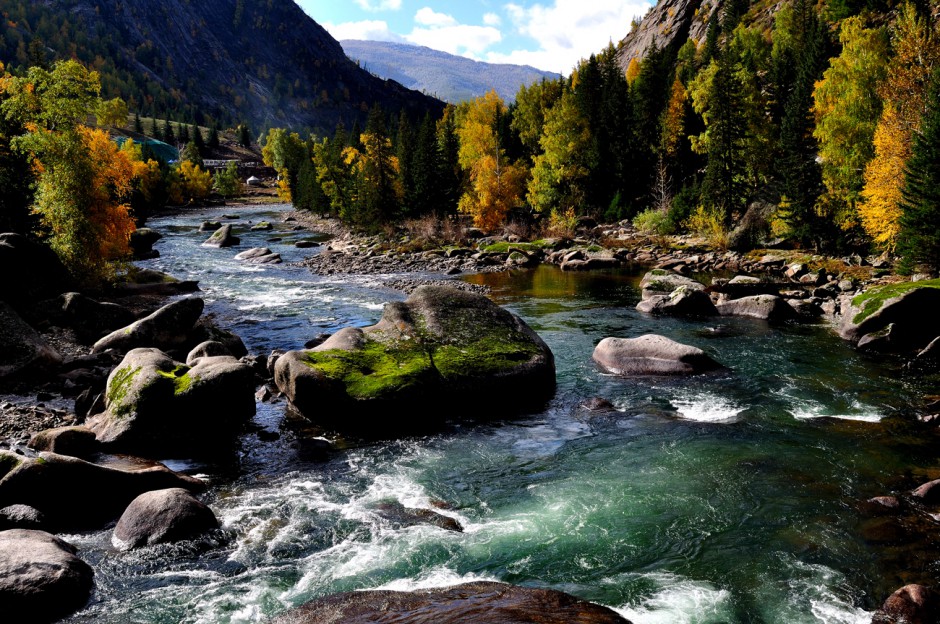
<point>74,441</point>
<point>210,226</point>
<point>22,517</point>
<point>663,282</point>
<point>651,355</point>
<point>74,494</point>
<point>222,238</point>
<point>41,578</point>
<point>259,255</point>
<point>928,493</point>
<point>29,271</point>
<point>90,318</point>
<point>209,348</point>
<point>22,349</point>
<point>142,241</point>
<point>912,604</point>
<point>397,513</point>
<point>480,602</point>
<point>155,405</point>
<point>440,353</point>
<point>162,516</point>
<point>683,301</point>
<point>764,307</point>
<point>910,306</point>
<point>167,328</point>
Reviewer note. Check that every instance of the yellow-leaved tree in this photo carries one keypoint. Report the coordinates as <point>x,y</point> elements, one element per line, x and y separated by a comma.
<point>496,185</point>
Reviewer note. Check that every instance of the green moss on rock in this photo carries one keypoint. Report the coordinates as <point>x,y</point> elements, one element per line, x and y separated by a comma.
<point>873,299</point>
<point>376,371</point>
<point>182,380</point>
<point>488,356</point>
<point>118,388</point>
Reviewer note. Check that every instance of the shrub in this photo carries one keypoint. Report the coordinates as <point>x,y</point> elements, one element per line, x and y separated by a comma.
<point>653,221</point>
<point>563,224</point>
<point>709,224</point>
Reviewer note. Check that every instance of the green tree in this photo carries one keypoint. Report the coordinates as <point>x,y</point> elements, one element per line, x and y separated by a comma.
<point>919,241</point>
<point>213,141</point>
<point>244,135</point>
<point>532,104</point>
<point>284,152</point>
<point>169,135</point>
<point>847,109</point>
<point>191,153</point>
<point>227,182</point>
<point>138,126</point>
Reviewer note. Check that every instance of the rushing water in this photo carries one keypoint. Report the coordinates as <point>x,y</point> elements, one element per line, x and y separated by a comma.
<point>729,498</point>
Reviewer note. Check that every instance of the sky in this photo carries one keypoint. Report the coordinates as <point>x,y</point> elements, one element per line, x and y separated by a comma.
<point>552,35</point>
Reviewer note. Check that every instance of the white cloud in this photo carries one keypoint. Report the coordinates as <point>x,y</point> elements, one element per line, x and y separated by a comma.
<point>373,30</point>
<point>379,5</point>
<point>492,19</point>
<point>568,30</point>
<point>429,17</point>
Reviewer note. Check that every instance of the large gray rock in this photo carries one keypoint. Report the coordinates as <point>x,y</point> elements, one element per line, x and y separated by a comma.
<point>160,517</point>
<point>22,349</point>
<point>479,603</point>
<point>912,604</point>
<point>91,319</point>
<point>441,353</point>
<point>167,328</point>
<point>651,355</point>
<point>74,494</point>
<point>209,348</point>
<point>765,307</point>
<point>22,517</point>
<point>141,243</point>
<point>41,578</point>
<point>683,301</point>
<point>911,307</point>
<point>155,405</point>
<point>222,237</point>
<point>663,282</point>
<point>259,255</point>
<point>754,227</point>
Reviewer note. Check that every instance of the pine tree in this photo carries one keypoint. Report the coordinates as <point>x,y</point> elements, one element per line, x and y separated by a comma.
<point>198,140</point>
<point>138,127</point>
<point>711,39</point>
<point>244,135</point>
<point>168,135</point>
<point>213,142</point>
<point>184,133</point>
<point>155,130</point>
<point>919,241</point>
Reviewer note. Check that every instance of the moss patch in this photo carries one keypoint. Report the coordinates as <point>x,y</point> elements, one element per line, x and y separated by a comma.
<point>376,371</point>
<point>8,461</point>
<point>119,387</point>
<point>488,356</point>
<point>182,380</point>
<point>873,299</point>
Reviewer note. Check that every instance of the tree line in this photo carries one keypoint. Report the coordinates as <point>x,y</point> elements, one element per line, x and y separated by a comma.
<point>825,116</point>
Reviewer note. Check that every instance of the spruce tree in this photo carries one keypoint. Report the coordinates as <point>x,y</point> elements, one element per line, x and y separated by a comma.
<point>184,133</point>
<point>244,135</point>
<point>168,135</point>
<point>711,39</point>
<point>138,127</point>
<point>919,242</point>
<point>155,129</point>
<point>213,141</point>
<point>197,138</point>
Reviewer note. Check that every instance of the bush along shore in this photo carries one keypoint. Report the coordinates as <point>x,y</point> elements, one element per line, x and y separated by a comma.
<point>123,370</point>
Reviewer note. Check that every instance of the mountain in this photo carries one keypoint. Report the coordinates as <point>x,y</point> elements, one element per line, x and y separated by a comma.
<point>667,22</point>
<point>267,63</point>
<point>448,77</point>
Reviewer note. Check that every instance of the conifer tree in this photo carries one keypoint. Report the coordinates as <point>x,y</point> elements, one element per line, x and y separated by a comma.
<point>155,130</point>
<point>184,133</point>
<point>213,142</point>
<point>169,136</point>
<point>244,135</point>
<point>919,241</point>
<point>198,140</point>
<point>138,127</point>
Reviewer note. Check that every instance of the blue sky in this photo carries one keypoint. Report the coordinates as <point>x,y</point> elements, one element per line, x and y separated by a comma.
<point>549,34</point>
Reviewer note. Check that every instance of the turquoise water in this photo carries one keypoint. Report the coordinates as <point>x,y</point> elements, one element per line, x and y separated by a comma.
<point>727,498</point>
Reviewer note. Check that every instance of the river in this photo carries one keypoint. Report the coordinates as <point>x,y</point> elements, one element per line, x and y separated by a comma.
<point>730,498</point>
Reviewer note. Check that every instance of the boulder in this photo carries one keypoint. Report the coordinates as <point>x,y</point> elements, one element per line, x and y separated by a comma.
<point>91,319</point>
<point>259,255</point>
<point>753,228</point>
<point>263,226</point>
<point>74,441</point>
<point>161,517</point>
<point>21,517</point>
<point>205,330</point>
<point>210,226</point>
<point>441,346</point>
<point>479,603</point>
<point>912,604</point>
<point>41,578</point>
<point>406,516</point>
<point>74,494</point>
<point>221,238</point>
<point>139,281</point>
<point>209,348</point>
<point>747,286</point>
<point>683,301</point>
<point>155,405</point>
<point>167,328</point>
<point>662,282</point>
<point>651,355</point>
<point>910,306</point>
<point>30,271</point>
<point>765,307</point>
<point>142,241</point>
<point>22,349</point>
<point>928,493</point>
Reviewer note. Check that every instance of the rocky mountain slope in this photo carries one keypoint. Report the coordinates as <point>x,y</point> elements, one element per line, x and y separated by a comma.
<point>266,63</point>
<point>446,76</point>
<point>668,21</point>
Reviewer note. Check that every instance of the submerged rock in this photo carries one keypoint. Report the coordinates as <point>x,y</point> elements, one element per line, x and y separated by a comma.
<point>651,355</point>
<point>75,494</point>
<point>155,405</point>
<point>167,328</point>
<point>442,352</point>
<point>912,604</point>
<point>479,603</point>
<point>41,578</point>
<point>408,516</point>
<point>160,517</point>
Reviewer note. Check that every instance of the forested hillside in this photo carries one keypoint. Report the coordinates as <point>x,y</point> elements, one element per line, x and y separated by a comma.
<point>228,61</point>
<point>451,78</point>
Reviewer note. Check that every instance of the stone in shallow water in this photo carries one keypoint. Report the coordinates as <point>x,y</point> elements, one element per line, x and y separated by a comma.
<point>476,603</point>
<point>651,355</point>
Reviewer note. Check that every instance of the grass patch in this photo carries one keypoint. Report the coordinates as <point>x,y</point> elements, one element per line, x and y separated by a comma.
<point>504,247</point>
<point>873,299</point>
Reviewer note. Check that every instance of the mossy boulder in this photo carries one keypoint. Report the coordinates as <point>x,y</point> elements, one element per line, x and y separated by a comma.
<point>167,328</point>
<point>73,494</point>
<point>664,282</point>
<point>155,405</point>
<point>910,306</point>
<point>441,353</point>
